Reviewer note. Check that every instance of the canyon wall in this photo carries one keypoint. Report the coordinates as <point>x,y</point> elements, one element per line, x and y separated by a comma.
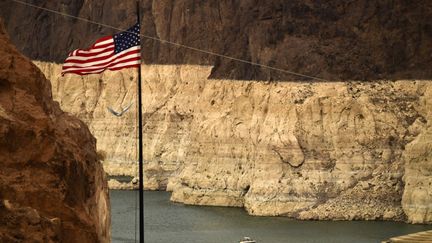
<point>52,185</point>
<point>214,135</point>
<point>417,157</point>
<point>336,150</point>
<point>334,40</point>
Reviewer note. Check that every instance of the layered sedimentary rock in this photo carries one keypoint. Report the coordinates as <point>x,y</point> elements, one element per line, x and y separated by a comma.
<point>52,185</point>
<point>337,150</point>
<point>333,150</point>
<point>321,151</point>
<point>166,130</point>
<point>417,197</point>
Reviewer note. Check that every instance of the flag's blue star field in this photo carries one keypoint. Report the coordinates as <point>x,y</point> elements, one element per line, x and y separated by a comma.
<point>127,39</point>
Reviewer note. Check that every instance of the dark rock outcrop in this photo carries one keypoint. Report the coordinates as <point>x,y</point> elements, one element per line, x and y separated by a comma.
<point>335,40</point>
<point>52,186</point>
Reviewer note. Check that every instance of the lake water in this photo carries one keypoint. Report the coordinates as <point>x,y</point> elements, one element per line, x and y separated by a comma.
<point>167,222</point>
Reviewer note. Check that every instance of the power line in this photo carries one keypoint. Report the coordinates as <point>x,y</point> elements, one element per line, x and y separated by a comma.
<point>173,43</point>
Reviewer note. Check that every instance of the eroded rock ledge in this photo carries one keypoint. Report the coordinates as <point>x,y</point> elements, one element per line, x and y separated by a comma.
<point>336,150</point>
<point>52,186</point>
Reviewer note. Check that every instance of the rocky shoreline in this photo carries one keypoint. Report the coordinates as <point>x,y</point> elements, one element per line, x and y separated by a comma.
<point>116,185</point>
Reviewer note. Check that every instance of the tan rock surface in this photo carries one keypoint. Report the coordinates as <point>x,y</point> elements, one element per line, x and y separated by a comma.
<point>417,196</point>
<point>117,185</point>
<point>166,131</point>
<point>52,186</point>
<point>307,150</point>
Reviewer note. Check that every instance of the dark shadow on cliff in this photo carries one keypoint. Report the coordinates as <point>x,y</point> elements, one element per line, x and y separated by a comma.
<point>332,40</point>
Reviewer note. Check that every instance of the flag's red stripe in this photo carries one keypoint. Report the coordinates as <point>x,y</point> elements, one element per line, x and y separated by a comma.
<point>104,63</point>
<point>113,63</point>
<point>80,54</point>
<point>82,73</point>
<point>104,45</point>
<point>101,40</point>
<point>89,60</point>
<point>104,38</point>
<point>96,72</point>
<point>96,49</point>
<point>97,42</point>
<point>99,59</point>
<point>103,69</point>
<point>108,38</point>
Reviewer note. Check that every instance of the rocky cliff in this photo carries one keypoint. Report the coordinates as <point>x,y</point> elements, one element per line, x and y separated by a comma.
<point>335,40</point>
<point>338,150</point>
<point>334,150</point>
<point>52,186</point>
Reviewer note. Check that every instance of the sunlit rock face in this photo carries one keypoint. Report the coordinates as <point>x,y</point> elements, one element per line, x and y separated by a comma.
<point>166,132</point>
<point>214,135</point>
<point>417,196</point>
<point>335,150</point>
<point>52,185</point>
<point>312,151</point>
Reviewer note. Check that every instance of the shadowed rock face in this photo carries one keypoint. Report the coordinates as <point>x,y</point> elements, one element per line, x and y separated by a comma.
<point>335,40</point>
<point>52,186</point>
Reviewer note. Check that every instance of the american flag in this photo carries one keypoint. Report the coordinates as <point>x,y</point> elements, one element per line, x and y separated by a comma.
<point>115,52</point>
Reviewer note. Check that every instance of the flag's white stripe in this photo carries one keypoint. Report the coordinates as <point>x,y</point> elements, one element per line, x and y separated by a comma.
<point>97,63</point>
<point>103,54</point>
<point>87,64</point>
<point>101,66</point>
<point>132,55</point>
<point>97,56</point>
<point>94,50</point>
<point>115,66</point>
<point>90,69</point>
<point>104,42</point>
<point>115,62</point>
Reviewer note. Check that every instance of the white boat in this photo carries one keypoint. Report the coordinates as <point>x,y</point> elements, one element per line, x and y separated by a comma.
<point>247,240</point>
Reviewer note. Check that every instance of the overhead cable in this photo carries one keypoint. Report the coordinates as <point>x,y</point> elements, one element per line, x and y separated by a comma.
<point>174,43</point>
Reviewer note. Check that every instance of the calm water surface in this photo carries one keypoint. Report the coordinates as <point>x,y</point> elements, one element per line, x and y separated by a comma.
<point>167,222</point>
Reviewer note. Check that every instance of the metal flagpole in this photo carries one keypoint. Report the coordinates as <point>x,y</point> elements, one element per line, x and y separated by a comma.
<point>140,144</point>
